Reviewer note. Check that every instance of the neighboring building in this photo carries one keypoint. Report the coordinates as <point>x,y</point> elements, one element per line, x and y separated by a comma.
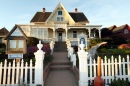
<point>60,25</point>
<point>123,30</point>
<point>112,27</point>
<point>3,33</point>
<point>16,41</point>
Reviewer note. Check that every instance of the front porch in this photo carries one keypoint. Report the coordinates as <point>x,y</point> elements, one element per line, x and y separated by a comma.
<point>64,32</point>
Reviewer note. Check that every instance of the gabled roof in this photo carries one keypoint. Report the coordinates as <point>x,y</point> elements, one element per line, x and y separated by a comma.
<point>3,32</point>
<point>14,28</point>
<point>42,17</point>
<point>112,27</point>
<point>59,6</point>
<point>118,29</point>
<point>78,17</point>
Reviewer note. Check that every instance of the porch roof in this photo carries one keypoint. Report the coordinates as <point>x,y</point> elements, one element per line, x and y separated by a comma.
<point>84,26</point>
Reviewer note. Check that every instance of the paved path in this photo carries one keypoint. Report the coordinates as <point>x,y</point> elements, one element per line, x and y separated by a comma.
<point>61,77</point>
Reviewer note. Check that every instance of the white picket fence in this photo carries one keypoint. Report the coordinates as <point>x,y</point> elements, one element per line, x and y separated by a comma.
<point>110,69</point>
<point>17,74</point>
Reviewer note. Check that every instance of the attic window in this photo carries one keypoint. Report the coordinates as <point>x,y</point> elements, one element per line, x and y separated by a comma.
<point>59,12</point>
<point>126,31</point>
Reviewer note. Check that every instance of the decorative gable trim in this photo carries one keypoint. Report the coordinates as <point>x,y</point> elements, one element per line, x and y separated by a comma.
<point>15,28</point>
<point>59,6</point>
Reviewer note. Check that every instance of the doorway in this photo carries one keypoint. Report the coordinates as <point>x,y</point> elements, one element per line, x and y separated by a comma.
<point>60,36</point>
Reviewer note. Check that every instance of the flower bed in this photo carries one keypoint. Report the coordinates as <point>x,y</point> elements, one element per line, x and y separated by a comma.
<point>124,46</point>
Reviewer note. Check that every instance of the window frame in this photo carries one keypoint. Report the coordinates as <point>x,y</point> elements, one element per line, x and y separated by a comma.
<point>59,12</point>
<point>126,31</point>
<point>75,35</point>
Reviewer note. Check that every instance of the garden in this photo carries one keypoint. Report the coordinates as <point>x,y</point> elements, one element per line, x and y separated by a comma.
<point>116,45</point>
<point>31,48</point>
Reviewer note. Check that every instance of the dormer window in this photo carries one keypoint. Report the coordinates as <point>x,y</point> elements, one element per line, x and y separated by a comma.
<point>59,12</point>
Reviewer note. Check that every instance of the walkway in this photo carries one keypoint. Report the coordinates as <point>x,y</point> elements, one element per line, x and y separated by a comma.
<point>60,74</point>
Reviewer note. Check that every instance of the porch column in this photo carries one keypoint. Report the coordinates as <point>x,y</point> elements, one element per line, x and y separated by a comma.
<point>89,30</point>
<point>54,33</point>
<point>66,32</point>
<point>99,33</point>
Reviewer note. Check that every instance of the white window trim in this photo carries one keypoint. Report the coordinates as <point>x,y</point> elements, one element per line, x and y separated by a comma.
<point>72,33</point>
<point>126,31</point>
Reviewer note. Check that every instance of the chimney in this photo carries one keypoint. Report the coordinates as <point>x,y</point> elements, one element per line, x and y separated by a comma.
<point>76,10</point>
<point>44,10</point>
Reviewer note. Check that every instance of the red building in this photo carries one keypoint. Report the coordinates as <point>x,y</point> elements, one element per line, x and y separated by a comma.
<point>123,30</point>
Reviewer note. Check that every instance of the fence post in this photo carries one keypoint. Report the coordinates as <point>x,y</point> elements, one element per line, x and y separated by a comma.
<point>39,56</point>
<point>83,71</point>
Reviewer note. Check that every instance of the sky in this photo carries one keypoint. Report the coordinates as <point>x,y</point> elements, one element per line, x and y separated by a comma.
<point>98,12</point>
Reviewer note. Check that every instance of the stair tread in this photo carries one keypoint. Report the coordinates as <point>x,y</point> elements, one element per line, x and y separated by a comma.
<point>60,65</point>
<point>60,47</point>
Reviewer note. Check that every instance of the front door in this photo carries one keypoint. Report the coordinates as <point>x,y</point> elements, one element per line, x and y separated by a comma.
<point>59,36</point>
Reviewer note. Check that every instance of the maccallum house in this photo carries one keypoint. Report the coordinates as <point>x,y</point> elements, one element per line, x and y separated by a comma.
<point>60,25</point>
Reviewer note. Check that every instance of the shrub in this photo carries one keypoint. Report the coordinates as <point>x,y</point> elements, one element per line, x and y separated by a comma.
<point>95,41</point>
<point>120,82</point>
<point>32,49</point>
<point>118,39</point>
<point>2,45</point>
<point>32,41</point>
<point>124,46</point>
<point>47,58</point>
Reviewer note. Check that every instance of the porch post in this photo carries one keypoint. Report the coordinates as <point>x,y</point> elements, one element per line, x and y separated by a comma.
<point>89,30</point>
<point>54,33</point>
<point>99,33</point>
<point>66,32</point>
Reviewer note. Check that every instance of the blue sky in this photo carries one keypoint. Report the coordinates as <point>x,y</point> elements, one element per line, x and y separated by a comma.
<point>98,12</point>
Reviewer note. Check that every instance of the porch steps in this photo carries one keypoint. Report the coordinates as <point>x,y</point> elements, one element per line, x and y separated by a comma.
<point>60,66</point>
<point>60,73</point>
<point>60,47</point>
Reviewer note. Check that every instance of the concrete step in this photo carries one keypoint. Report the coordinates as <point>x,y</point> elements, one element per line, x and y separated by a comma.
<point>61,63</point>
<point>60,67</point>
<point>60,47</point>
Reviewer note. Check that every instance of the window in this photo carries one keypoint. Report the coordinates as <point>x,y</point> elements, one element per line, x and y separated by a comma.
<point>126,31</point>
<point>59,12</point>
<point>16,45</point>
<point>61,18</point>
<point>39,33</point>
<point>58,18</point>
<point>74,34</point>
<point>34,32</point>
<point>45,33</point>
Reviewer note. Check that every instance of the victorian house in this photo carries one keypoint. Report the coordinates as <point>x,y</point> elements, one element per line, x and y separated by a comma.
<point>60,25</point>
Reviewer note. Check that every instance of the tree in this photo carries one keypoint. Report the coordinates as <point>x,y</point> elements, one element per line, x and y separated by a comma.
<point>118,39</point>
<point>105,32</point>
